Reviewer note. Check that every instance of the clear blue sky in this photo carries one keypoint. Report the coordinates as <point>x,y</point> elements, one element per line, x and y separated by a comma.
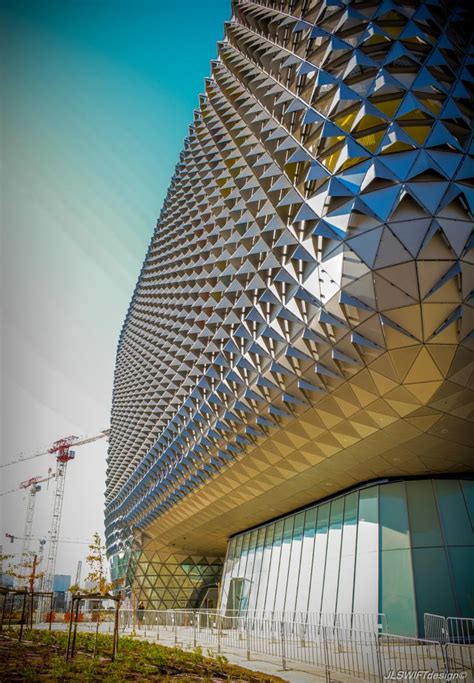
<point>97,96</point>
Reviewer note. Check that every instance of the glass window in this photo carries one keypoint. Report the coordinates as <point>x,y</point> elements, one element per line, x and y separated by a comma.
<point>227,572</point>
<point>333,557</point>
<point>274,566</point>
<point>306,560</point>
<point>397,595</point>
<point>454,515</point>
<point>423,514</point>
<point>432,583</point>
<point>349,537</point>
<point>249,566</point>
<point>257,566</point>
<point>264,572</point>
<point>237,555</point>
<point>284,564</point>
<point>394,517</point>
<point>240,570</point>
<point>319,558</point>
<point>367,560</point>
<point>468,490</point>
<point>295,558</point>
<point>462,564</point>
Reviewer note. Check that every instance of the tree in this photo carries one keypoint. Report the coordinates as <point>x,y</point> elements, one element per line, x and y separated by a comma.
<point>97,561</point>
<point>25,571</point>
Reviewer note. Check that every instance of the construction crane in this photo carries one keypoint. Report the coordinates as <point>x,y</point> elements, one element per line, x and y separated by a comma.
<point>33,485</point>
<point>62,450</point>
<point>79,441</point>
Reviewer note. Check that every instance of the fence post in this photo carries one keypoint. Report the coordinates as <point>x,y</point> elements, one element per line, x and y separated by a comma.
<point>327,670</point>
<point>283,645</point>
<point>378,654</point>
<point>247,637</point>
<point>195,618</point>
<point>219,633</point>
<point>175,622</point>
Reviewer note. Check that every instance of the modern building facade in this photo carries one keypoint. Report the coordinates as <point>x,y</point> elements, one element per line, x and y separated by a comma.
<point>300,336</point>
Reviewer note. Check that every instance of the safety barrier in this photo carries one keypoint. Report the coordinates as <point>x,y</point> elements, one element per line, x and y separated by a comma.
<point>449,629</point>
<point>459,658</point>
<point>319,642</point>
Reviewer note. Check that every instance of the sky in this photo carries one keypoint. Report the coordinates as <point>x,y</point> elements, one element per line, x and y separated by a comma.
<point>97,96</point>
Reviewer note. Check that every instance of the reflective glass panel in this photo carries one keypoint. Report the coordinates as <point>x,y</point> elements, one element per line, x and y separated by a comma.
<point>367,559</point>
<point>306,560</point>
<point>249,567</point>
<point>257,567</point>
<point>462,567</point>
<point>284,564</point>
<point>349,537</point>
<point>319,559</point>
<point>295,558</point>
<point>432,583</point>
<point>394,517</point>
<point>397,595</point>
<point>331,574</point>
<point>423,513</point>
<point>468,491</point>
<point>264,572</point>
<point>454,515</point>
<point>274,566</point>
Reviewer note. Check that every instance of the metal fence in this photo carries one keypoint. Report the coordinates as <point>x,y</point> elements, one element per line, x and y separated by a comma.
<point>354,645</point>
<point>449,629</point>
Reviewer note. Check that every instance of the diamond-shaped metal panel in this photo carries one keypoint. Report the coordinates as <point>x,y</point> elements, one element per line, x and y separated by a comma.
<point>303,318</point>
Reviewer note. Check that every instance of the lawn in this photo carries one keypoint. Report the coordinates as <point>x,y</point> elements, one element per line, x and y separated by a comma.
<point>41,657</point>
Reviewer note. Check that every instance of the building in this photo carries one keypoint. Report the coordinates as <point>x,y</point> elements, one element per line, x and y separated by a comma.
<point>292,424</point>
<point>61,584</point>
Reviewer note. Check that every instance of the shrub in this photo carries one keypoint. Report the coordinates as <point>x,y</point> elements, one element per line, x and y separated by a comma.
<point>50,617</point>
<point>69,616</point>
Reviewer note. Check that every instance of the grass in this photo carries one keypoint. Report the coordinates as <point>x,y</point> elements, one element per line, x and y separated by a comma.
<point>41,657</point>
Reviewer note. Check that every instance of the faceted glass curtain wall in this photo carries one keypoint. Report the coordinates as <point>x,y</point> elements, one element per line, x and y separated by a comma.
<point>175,581</point>
<point>403,548</point>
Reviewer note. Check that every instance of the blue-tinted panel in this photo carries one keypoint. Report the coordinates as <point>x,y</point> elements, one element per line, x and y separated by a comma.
<point>423,514</point>
<point>394,517</point>
<point>462,567</point>
<point>454,515</point>
<point>397,595</point>
<point>432,583</point>
<point>468,491</point>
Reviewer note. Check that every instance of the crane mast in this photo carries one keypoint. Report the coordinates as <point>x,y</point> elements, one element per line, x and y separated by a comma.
<point>63,455</point>
<point>30,510</point>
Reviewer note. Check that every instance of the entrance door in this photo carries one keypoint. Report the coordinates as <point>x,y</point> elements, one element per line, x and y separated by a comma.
<point>238,598</point>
